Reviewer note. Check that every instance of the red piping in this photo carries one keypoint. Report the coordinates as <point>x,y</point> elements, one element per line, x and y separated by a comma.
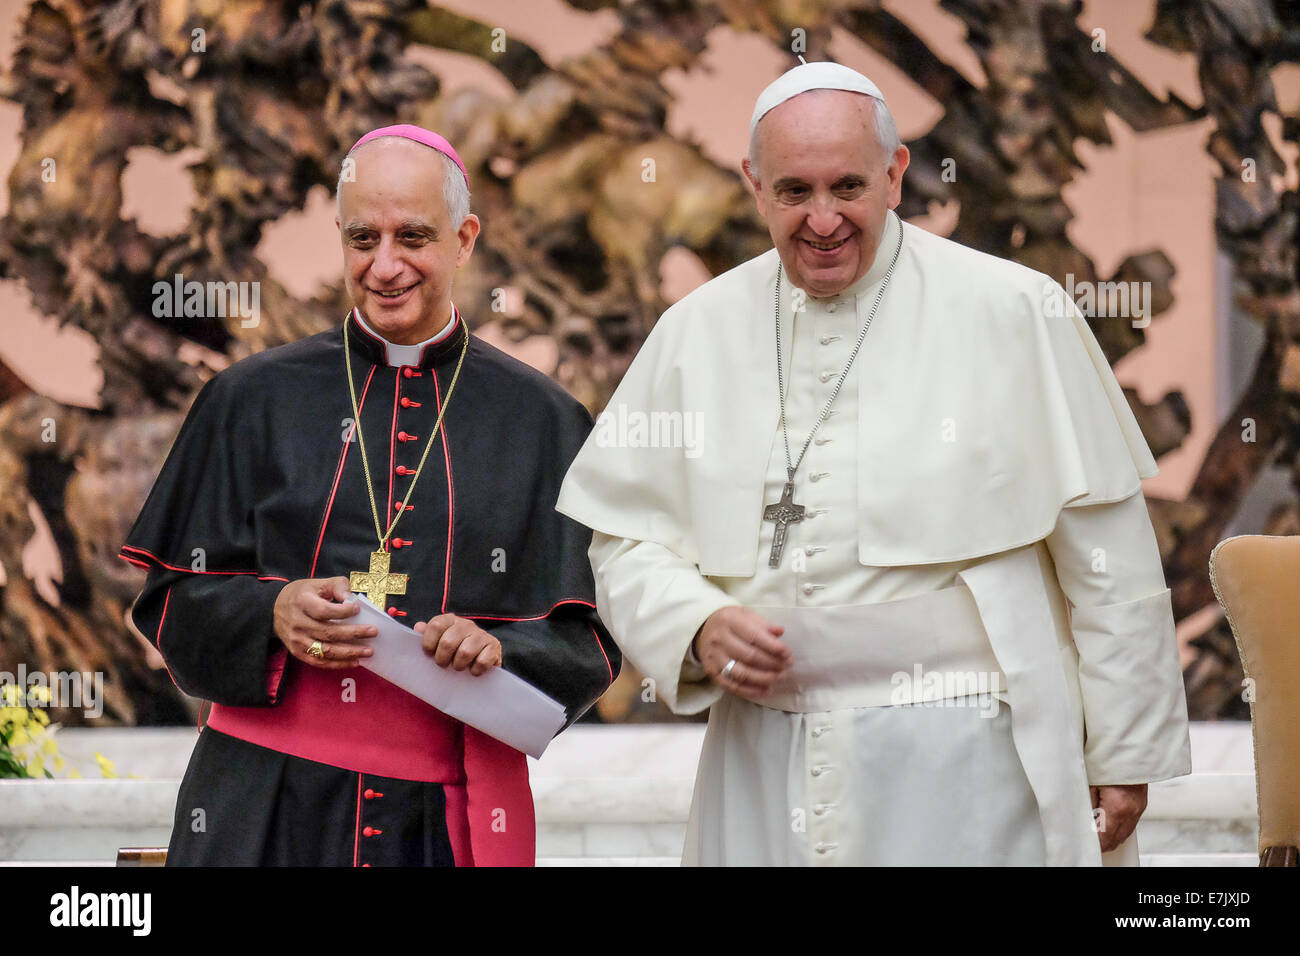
<point>392,448</point>
<point>157,641</point>
<point>343,457</point>
<point>536,617</point>
<point>608,666</point>
<point>362,329</point>
<point>443,336</point>
<point>451,498</point>
<point>171,567</point>
<point>356,830</point>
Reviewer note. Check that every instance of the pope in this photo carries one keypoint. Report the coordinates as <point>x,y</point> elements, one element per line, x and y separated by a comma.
<point>913,512</point>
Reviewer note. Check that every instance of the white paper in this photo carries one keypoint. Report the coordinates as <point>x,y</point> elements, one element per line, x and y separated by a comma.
<point>497,702</point>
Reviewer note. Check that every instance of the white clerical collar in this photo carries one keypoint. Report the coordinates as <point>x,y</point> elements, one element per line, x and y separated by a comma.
<point>408,354</point>
<point>879,266</point>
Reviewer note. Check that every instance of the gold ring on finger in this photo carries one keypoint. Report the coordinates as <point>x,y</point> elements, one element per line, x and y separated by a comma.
<point>317,649</point>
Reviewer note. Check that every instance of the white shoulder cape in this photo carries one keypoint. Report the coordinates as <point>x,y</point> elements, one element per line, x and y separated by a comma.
<point>985,406</point>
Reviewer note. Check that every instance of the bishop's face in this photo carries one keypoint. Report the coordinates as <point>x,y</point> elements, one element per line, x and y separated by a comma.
<point>824,184</point>
<point>400,248</point>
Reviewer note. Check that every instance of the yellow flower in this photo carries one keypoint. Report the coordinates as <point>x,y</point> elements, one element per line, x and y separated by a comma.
<point>74,774</point>
<point>37,767</point>
<point>105,765</point>
<point>19,738</point>
<point>39,694</point>
<point>59,764</point>
<point>49,746</point>
<point>41,716</point>
<point>10,694</point>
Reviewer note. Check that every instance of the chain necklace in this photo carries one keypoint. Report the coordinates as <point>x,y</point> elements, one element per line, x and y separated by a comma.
<point>785,512</point>
<point>377,582</point>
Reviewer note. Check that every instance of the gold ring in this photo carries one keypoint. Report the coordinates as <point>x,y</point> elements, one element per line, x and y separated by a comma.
<point>317,649</point>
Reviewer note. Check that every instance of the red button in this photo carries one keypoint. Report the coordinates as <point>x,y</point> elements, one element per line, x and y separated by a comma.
<point>403,436</point>
<point>411,373</point>
<point>394,612</point>
<point>369,794</point>
<point>402,542</point>
<point>364,865</point>
<point>409,403</point>
<point>403,470</point>
<point>371,831</point>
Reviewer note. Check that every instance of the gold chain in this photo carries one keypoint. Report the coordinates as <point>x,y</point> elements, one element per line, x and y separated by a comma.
<point>356,418</point>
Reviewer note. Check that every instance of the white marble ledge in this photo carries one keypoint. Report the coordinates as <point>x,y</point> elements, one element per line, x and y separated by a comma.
<point>87,803</point>
<point>90,803</point>
<point>641,751</point>
<point>612,799</point>
<point>1200,859</point>
<point>1203,796</point>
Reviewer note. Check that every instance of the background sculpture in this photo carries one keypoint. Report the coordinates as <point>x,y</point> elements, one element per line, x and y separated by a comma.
<point>273,93</point>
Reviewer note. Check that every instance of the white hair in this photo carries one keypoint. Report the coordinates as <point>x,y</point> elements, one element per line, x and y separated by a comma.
<point>886,132</point>
<point>455,190</point>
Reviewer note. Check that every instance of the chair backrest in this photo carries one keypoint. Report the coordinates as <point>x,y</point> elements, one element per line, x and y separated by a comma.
<point>142,856</point>
<point>1257,580</point>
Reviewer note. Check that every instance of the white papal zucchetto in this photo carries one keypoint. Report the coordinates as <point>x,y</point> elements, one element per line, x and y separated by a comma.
<point>811,76</point>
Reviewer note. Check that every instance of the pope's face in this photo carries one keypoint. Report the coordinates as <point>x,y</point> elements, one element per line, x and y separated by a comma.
<point>824,185</point>
<point>400,248</point>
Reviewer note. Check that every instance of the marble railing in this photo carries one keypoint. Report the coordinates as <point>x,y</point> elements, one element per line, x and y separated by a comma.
<point>604,795</point>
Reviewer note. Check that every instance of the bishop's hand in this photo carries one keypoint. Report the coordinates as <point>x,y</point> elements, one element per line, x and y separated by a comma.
<point>314,609</point>
<point>752,641</point>
<point>459,643</point>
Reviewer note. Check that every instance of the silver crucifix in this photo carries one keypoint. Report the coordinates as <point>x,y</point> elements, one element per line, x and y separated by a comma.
<point>785,513</point>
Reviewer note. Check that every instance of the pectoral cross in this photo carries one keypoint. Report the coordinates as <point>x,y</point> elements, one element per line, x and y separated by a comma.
<point>377,583</point>
<point>785,513</point>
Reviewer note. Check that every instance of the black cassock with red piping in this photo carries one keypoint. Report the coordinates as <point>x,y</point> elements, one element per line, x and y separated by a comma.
<point>304,766</point>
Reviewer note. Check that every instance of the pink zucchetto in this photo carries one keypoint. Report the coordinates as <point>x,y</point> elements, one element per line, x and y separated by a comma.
<point>417,134</point>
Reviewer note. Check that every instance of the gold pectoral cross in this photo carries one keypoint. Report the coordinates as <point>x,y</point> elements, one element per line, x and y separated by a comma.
<point>377,583</point>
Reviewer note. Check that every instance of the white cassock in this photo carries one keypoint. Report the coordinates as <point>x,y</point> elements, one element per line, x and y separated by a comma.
<point>980,467</point>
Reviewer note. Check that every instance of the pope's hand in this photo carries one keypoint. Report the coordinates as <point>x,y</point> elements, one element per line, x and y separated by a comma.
<point>459,643</point>
<point>313,609</point>
<point>752,641</point>
<point>1120,806</point>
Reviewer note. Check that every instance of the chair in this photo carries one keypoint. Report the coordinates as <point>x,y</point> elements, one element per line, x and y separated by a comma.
<point>1257,581</point>
<point>142,856</point>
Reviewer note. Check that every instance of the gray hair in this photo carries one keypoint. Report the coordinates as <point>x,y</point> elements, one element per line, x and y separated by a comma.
<point>886,133</point>
<point>455,190</point>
